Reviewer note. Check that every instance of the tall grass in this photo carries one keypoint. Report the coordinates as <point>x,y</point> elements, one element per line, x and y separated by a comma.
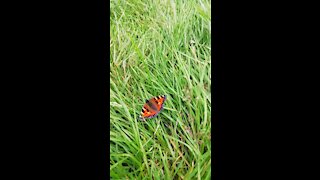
<point>160,47</point>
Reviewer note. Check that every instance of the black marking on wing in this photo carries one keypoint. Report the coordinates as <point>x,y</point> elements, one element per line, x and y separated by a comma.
<point>145,110</point>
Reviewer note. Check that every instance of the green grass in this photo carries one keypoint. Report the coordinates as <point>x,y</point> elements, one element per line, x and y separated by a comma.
<point>160,47</point>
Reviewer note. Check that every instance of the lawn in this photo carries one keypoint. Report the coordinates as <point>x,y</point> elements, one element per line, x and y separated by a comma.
<point>160,47</point>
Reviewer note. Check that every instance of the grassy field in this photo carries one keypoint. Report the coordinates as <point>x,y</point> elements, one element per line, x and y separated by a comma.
<point>160,47</point>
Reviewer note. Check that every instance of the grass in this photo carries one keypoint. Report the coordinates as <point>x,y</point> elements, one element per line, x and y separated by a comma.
<point>160,47</point>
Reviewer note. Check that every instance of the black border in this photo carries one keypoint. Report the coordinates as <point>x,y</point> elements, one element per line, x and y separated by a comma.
<point>258,86</point>
<point>217,92</point>
<point>59,88</point>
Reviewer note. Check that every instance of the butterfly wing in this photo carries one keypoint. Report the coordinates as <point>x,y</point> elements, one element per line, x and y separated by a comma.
<point>158,102</point>
<point>152,107</point>
<point>147,111</point>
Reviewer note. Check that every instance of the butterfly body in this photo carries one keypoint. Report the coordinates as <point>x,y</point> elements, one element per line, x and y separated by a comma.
<point>152,107</point>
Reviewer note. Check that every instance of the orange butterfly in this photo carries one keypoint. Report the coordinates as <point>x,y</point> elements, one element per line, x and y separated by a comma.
<point>152,107</point>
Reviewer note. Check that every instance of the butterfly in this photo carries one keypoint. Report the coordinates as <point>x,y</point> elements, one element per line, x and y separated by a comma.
<point>152,107</point>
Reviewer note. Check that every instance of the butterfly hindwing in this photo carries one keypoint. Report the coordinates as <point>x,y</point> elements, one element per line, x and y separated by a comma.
<point>147,112</point>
